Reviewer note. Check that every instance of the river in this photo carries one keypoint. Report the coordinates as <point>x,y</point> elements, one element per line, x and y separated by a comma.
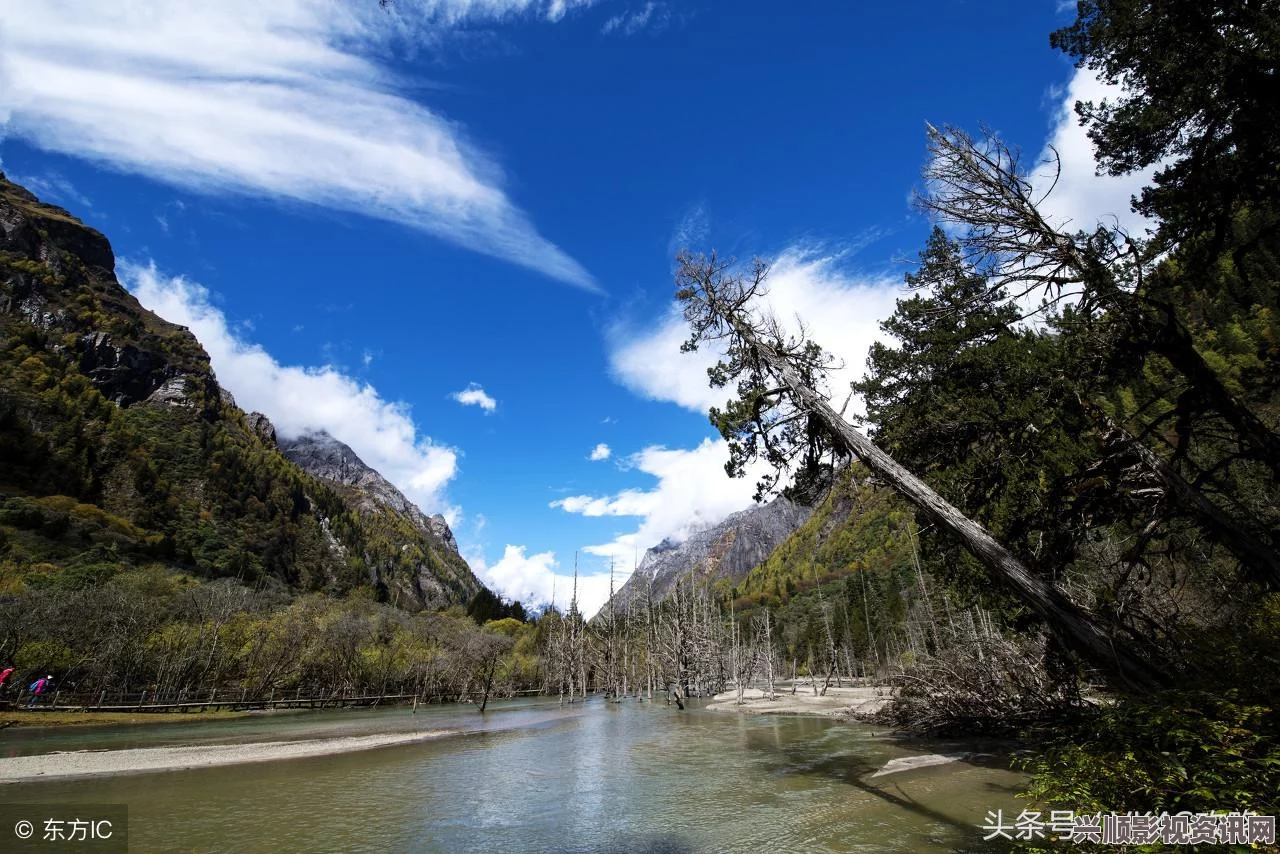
<point>534,776</point>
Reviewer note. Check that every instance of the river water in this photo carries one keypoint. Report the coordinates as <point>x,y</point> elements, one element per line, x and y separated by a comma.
<point>535,776</point>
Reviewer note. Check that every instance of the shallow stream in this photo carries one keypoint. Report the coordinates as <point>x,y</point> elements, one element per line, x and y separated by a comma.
<point>535,776</point>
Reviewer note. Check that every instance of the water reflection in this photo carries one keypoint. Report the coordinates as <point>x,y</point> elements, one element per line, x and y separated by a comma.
<point>537,777</point>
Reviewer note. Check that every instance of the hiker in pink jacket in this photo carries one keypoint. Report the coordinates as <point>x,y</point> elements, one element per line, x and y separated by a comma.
<point>38,688</point>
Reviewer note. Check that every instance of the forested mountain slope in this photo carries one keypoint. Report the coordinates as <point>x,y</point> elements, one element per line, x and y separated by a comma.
<point>858,526</point>
<point>400,540</point>
<point>724,552</point>
<point>118,448</point>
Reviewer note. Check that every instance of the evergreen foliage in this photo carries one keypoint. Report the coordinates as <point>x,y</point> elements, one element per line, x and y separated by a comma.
<point>117,448</point>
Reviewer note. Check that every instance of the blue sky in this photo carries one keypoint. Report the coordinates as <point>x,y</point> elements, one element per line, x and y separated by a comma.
<point>445,232</point>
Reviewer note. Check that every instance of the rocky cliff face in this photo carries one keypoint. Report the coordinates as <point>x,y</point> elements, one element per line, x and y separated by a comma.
<point>119,449</point>
<point>382,506</point>
<point>58,279</point>
<point>729,550</point>
<point>323,456</point>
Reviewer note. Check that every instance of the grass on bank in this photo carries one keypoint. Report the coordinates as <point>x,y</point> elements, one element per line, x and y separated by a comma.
<point>38,718</point>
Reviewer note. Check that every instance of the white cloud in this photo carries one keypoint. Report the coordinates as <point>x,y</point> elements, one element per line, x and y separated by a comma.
<point>1082,198</point>
<point>299,399</point>
<point>288,99</point>
<point>600,452</point>
<point>692,492</point>
<point>653,14</point>
<point>533,580</point>
<point>841,312</point>
<point>474,395</point>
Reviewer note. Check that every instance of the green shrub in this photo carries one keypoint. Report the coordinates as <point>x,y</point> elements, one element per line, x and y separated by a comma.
<point>1181,750</point>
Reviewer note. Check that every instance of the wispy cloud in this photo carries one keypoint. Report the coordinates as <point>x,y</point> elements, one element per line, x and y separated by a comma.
<point>600,452</point>
<point>475,395</point>
<point>289,99</point>
<point>652,15</point>
<point>53,187</point>
<point>840,310</point>
<point>691,231</point>
<point>298,399</point>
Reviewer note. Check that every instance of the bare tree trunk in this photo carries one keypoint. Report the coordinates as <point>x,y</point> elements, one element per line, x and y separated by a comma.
<point>924,591</point>
<point>866,611</point>
<point>651,639</point>
<point>488,684</point>
<point>834,656</point>
<point>768,651</point>
<point>1076,627</point>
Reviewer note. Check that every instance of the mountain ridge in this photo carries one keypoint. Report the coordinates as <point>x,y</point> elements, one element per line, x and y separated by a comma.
<point>727,550</point>
<point>119,449</point>
<point>321,455</point>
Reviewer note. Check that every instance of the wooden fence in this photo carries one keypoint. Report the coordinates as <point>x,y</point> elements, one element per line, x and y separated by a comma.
<point>198,701</point>
<point>218,699</point>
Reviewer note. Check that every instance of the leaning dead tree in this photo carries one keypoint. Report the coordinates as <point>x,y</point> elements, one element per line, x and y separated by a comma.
<point>781,415</point>
<point>975,186</point>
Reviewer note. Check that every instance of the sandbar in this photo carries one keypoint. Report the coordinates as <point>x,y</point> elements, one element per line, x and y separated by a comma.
<point>91,763</point>
<point>838,702</point>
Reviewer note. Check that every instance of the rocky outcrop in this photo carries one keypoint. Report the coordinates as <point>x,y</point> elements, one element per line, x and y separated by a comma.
<point>51,231</point>
<point>123,373</point>
<point>440,528</point>
<point>320,455</point>
<point>728,550</point>
<point>263,428</point>
<point>57,274</point>
<point>434,558</point>
<point>200,485</point>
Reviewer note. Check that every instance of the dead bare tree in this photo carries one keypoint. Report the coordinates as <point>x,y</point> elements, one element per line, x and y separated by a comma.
<point>765,638</point>
<point>781,415</point>
<point>833,663</point>
<point>977,187</point>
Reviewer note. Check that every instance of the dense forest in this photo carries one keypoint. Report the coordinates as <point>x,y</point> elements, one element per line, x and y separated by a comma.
<point>1060,519</point>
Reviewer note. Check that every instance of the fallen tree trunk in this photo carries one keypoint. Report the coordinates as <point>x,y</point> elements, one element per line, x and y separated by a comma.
<point>718,307</point>
<point>1078,629</point>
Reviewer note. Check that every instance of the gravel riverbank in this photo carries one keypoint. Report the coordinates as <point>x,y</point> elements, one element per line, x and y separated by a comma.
<point>90,763</point>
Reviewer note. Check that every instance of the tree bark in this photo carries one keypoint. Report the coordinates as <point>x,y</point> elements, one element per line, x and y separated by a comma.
<point>1078,629</point>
